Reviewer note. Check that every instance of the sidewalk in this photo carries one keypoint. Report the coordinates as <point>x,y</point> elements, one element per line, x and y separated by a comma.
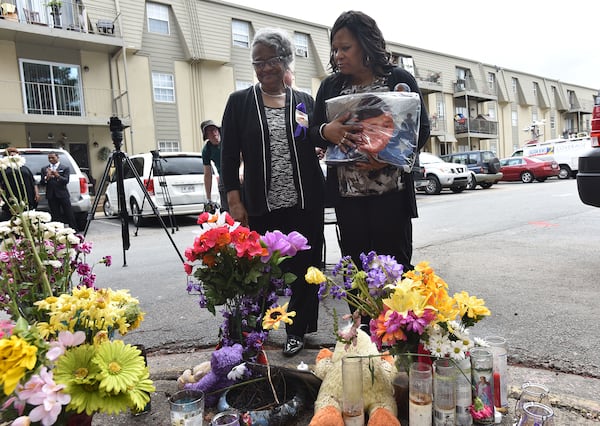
<point>575,399</point>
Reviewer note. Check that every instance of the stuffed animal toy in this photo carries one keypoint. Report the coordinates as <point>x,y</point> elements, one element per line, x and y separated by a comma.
<point>378,392</point>
<point>221,362</point>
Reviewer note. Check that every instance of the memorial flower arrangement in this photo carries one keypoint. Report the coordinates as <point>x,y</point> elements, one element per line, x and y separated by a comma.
<point>71,364</point>
<point>410,312</point>
<point>240,270</point>
<point>57,352</point>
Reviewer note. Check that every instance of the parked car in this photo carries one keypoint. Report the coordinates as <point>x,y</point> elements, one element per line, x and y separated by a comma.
<point>528,169</point>
<point>418,173</point>
<point>588,177</point>
<point>484,167</point>
<point>440,174</point>
<point>37,158</point>
<point>175,177</point>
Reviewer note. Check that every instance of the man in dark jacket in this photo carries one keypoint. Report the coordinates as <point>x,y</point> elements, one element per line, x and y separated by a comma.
<point>56,177</point>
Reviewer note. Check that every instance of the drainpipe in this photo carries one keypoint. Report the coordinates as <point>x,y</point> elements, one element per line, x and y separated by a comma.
<point>124,53</point>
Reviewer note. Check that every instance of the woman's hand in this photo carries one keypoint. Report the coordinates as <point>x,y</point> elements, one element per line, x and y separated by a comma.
<point>344,135</point>
<point>237,210</point>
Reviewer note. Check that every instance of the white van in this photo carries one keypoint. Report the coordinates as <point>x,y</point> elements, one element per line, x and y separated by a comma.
<point>566,153</point>
<point>175,177</point>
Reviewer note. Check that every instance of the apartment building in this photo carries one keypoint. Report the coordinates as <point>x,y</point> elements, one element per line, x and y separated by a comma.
<point>165,66</point>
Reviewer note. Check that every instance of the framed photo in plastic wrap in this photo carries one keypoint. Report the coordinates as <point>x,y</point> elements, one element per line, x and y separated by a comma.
<point>390,127</point>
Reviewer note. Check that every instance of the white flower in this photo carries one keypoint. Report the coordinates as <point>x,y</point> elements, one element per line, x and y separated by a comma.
<point>457,351</point>
<point>237,372</point>
<point>481,342</point>
<point>54,263</point>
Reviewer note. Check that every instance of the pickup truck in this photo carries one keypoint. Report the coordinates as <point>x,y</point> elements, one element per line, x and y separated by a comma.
<point>588,178</point>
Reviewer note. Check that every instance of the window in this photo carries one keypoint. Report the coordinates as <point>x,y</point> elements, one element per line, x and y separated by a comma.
<point>535,90</point>
<point>514,118</point>
<point>406,62</point>
<point>240,84</point>
<point>301,41</point>
<point>158,18</point>
<point>491,79</point>
<point>51,88</point>
<point>240,33</point>
<point>163,87</point>
<point>515,84</point>
<point>168,146</point>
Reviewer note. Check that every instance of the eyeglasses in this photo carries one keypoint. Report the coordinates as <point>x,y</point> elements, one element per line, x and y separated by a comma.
<point>274,61</point>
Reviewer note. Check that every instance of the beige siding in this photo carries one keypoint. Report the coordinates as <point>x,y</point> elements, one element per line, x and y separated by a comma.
<point>142,114</point>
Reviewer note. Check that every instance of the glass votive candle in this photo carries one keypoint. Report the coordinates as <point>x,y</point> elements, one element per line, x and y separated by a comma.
<point>536,414</point>
<point>226,418</point>
<point>531,392</point>
<point>187,407</point>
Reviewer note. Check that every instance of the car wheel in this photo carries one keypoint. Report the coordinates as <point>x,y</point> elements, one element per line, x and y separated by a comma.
<point>527,177</point>
<point>107,208</point>
<point>541,179</point>
<point>486,185</point>
<point>458,189</point>
<point>472,182</point>
<point>433,185</point>
<point>565,172</point>
<point>136,213</point>
<point>81,220</point>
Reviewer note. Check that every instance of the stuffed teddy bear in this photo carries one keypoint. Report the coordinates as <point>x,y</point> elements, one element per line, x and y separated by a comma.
<point>221,362</point>
<point>378,391</point>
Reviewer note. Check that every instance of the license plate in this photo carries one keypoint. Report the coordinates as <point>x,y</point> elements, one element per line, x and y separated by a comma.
<point>187,188</point>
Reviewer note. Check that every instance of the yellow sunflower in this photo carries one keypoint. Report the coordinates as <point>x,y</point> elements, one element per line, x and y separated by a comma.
<point>274,316</point>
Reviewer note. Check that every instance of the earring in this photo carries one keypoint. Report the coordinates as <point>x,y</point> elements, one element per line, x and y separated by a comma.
<point>367,60</point>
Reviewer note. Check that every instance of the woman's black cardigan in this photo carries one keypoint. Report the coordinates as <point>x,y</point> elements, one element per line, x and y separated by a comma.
<point>245,131</point>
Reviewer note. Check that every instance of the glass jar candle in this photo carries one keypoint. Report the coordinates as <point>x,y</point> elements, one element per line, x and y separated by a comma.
<point>483,384</point>
<point>464,392</point>
<point>444,396</point>
<point>420,394</point>
<point>353,410</point>
<point>500,366</point>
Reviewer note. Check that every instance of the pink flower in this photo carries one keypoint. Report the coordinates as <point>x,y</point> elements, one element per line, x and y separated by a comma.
<point>65,339</point>
<point>42,391</point>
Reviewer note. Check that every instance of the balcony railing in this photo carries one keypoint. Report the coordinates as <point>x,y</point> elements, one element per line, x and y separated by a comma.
<point>476,125</point>
<point>473,85</point>
<point>33,99</point>
<point>71,15</point>
<point>438,124</point>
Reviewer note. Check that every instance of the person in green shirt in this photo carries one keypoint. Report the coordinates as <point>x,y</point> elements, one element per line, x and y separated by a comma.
<point>211,133</point>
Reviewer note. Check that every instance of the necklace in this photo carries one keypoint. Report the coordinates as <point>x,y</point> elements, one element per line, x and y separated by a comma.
<point>279,95</point>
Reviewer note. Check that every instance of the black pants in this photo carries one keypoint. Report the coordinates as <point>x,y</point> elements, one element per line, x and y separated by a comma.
<point>304,300</point>
<point>376,223</point>
<point>61,211</point>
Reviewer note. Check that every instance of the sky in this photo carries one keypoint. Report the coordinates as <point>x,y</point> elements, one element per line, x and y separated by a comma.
<point>543,38</point>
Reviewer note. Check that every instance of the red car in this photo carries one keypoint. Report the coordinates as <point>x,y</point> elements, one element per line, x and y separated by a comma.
<point>526,169</point>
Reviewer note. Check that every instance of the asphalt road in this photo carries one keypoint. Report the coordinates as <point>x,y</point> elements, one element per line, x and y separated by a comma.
<point>530,250</point>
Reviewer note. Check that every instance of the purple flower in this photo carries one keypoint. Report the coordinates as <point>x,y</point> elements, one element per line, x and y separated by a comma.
<point>107,260</point>
<point>298,242</point>
<point>83,269</point>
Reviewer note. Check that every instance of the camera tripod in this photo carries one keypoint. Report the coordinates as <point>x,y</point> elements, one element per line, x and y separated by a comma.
<point>117,159</point>
<point>157,171</point>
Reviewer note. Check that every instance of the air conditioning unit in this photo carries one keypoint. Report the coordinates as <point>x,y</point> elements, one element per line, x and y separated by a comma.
<point>301,51</point>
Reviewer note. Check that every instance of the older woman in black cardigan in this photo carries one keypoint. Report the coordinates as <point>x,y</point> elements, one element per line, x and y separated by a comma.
<point>283,185</point>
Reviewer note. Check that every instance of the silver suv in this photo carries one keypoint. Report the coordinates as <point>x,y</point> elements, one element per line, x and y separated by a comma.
<point>440,174</point>
<point>37,158</point>
<point>171,177</point>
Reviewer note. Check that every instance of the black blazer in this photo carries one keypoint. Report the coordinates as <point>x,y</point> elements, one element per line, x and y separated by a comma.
<point>56,187</point>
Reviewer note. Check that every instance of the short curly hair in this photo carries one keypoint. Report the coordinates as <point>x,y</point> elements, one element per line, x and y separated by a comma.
<point>279,40</point>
